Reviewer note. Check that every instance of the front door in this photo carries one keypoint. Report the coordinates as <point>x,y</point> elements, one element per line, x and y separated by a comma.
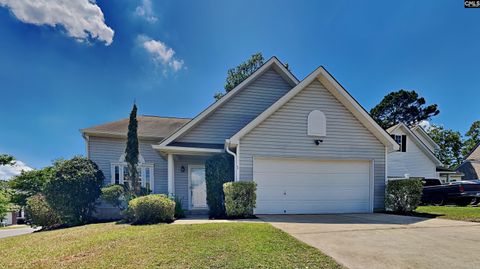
<point>198,187</point>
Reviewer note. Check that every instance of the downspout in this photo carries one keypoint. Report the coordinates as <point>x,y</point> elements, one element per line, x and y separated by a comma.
<point>235,159</point>
<point>87,142</point>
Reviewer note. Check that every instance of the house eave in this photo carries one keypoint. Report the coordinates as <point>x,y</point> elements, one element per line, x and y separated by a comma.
<point>271,63</point>
<point>186,150</point>
<point>335,89</point>
<point>116,135</point>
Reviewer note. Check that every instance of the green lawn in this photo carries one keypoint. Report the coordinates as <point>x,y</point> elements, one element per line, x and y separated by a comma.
<point>216,245</point>
<point>451,212</point>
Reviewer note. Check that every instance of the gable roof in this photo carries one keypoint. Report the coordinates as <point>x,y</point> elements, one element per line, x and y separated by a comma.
<point>338,92</point>
<point>417,141</point>
<point>271,63</point>
<point>425,135</point>
<point>148,127</point>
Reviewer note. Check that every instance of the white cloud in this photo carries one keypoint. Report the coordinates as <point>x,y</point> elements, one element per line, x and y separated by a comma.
<point>145,10</point>
<point>161,53</point>
<point>425,124</point>
<point>82,19</point>
<point>8,171</point>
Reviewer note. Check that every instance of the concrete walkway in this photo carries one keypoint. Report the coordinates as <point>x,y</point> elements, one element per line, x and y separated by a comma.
<point>386,241</point>
<point>15,231</point>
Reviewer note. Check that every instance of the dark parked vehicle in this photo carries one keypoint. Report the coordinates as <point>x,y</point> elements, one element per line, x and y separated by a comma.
<point>461,193</point>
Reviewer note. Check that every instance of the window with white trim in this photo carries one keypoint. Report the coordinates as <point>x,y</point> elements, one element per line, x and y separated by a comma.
<point>401,141</point>
<point>119,172</point>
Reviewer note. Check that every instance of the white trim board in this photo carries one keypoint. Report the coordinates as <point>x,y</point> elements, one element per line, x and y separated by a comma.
<point>173,149</point>
<point>273,62</point>
<point>338,92</point>
<point>426,136</point>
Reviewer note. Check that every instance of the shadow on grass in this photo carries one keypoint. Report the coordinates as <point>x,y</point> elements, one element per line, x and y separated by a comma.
<point>415,214</point>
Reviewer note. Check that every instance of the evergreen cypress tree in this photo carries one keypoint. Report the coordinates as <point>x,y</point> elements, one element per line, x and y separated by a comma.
<point>131,152</point>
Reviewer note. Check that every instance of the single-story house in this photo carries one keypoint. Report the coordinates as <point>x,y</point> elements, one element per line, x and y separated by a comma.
<point>471,166</point>
<point>416,155</point>
<point>309,146</point>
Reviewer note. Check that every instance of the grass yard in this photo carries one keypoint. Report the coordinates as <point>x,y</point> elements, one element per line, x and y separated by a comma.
<point>110,245</point>
<point>451,212</point>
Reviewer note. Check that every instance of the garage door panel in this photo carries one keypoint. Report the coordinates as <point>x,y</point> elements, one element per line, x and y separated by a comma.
<point>309,179</point>
<point>290,192</point>
<point>302,166</point>
<point>308,187</point>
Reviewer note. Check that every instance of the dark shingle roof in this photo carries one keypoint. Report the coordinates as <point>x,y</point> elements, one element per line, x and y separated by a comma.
<point>148,126</point>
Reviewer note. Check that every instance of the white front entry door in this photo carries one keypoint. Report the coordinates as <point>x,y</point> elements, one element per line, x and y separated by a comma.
<point>293,186</point>
<point>198,187</point>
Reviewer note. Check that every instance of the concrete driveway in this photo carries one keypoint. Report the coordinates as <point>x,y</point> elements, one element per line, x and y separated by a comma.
<point>17,231</point>
<point>386,241</point>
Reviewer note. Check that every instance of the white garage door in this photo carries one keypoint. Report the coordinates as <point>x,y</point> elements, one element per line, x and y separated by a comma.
<point>290,186</point>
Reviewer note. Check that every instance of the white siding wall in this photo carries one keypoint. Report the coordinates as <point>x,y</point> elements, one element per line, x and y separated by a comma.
<point>413,162</point>
<point>240,110</point>
<point>284,134</point>
<point>104,151</point>
<point>427,143</point>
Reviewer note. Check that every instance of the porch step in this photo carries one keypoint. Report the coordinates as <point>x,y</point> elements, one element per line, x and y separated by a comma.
<point>197,212</point>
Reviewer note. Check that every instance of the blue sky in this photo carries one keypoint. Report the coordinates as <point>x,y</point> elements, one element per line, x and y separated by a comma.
<point>54,81</point>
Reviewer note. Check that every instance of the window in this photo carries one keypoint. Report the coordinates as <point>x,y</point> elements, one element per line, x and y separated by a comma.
<point>401,141</point>
<point>119,172</point>
<point>317,124</point>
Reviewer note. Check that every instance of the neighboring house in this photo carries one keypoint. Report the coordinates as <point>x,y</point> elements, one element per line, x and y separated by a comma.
<point>11,217</point>
<point>309,146</point>
<point>471,166</point>
<point>416,157</point>
<point>449,175</point>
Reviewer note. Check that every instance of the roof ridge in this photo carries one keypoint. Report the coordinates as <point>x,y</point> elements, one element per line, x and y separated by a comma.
<point>166,117</point>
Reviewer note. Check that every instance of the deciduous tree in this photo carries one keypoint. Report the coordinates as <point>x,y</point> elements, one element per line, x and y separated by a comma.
<point>6,159</point>
<point>450,142</point>
<point>242,71</point>
<point>472,138</point>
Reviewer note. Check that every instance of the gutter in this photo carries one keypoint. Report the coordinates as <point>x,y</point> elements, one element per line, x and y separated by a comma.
<point>87,142</point>
<point>235,158</point>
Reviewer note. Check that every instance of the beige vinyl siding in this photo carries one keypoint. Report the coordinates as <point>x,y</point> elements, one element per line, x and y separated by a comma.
<point>284,134</point>
<point>414,161</point>
<point>232,116</point>
<point>103,151</point>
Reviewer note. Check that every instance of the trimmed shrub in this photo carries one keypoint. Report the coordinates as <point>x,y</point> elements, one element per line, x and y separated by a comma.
<point>240,198</point>
<point>115,195</point>
<point>179,212</point>
<point>403,195</point>
<point>218,170</point>
<point>39,213</point>
<point>150,209</point>
<point>74,189</point>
